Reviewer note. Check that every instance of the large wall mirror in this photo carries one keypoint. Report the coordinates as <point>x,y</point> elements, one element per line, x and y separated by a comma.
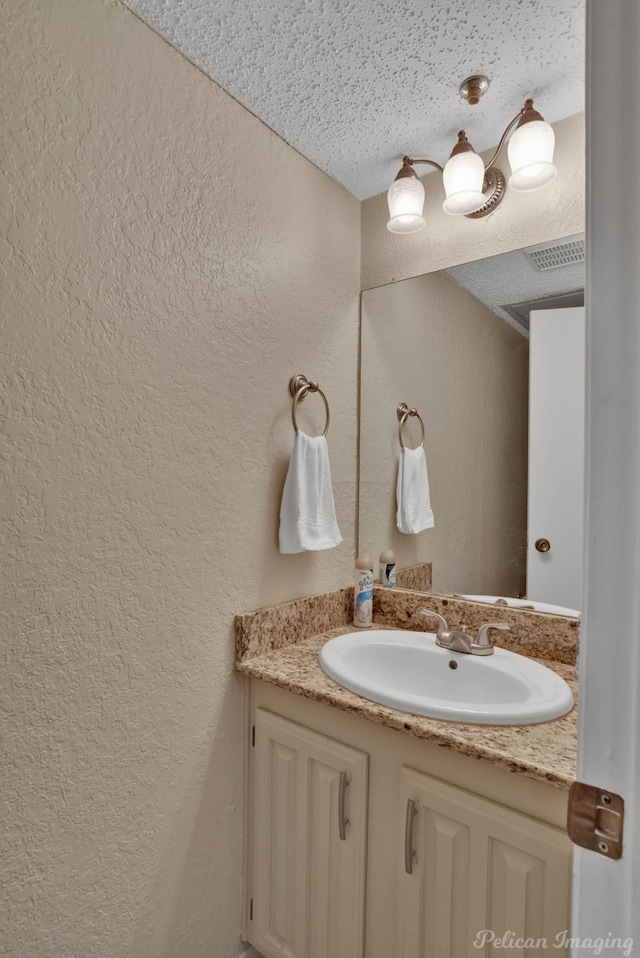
<point>456,346</point>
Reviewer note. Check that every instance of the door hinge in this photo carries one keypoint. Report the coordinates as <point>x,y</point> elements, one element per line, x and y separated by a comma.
<point>253,736</point>
<point>595,817</point>
<point>251,910</point>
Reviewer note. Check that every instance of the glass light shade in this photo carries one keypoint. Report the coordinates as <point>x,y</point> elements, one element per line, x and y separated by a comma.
<point>463,177</point>
<point>531,156</point>
<point>406,201</point>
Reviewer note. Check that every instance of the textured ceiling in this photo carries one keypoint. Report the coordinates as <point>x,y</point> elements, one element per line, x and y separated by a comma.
<point>355,84</point>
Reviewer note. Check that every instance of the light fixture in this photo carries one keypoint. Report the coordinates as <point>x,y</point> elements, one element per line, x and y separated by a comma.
<point>530,152</point>
<point>472,188</point>
<point>406,199</point>
<point>463,179</point>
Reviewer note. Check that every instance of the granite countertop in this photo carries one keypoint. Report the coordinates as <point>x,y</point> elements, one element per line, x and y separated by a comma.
<point>545,752</point>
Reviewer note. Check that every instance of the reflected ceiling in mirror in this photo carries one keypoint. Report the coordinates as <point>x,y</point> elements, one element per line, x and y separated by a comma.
<point>547,276</point>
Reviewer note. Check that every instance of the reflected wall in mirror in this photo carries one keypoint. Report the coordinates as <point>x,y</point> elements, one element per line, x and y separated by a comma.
<point>455,345</point>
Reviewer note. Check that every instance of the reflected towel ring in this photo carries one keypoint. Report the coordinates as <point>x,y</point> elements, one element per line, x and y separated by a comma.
<point>403,413</point>
<point>299,386</point>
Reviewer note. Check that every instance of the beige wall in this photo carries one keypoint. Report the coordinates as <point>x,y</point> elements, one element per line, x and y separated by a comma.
<point>522,219</point>
<point>429,343</point>
<point>169,264</point>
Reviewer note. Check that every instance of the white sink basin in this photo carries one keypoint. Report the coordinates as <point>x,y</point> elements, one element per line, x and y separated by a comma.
<point>409,672</point>
<point>525,603</point>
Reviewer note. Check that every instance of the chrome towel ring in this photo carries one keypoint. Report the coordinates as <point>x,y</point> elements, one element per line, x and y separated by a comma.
<point>403,413</point>
<point>299,386</point>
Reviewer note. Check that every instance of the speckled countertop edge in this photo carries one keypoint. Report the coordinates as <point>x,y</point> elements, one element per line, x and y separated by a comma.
<point>275,626</point>
<point>546,752</point>
<point>418,578</point>
<point>537,634</point>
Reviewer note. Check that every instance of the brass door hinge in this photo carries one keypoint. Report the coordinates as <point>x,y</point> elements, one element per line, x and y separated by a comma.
<point>595,817</point>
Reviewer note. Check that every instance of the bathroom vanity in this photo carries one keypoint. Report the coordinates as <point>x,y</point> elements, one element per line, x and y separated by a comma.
<point>376,833</point>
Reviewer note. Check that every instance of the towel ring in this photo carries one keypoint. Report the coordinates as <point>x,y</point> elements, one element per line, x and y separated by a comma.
<point>403,412</point>
<point>299,386</point>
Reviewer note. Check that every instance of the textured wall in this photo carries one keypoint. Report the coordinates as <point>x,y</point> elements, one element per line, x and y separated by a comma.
<point>522,219</point>
<point>429,343</point>
<point>169,264</point>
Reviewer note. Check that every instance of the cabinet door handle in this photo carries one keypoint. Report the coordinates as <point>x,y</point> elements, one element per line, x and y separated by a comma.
<point>409,854</point>
<point>343,821</point>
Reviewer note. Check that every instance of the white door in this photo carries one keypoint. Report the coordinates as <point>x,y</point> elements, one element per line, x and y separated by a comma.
<point>607,891</point>
<point>309,819</point>
<point>556,456</point>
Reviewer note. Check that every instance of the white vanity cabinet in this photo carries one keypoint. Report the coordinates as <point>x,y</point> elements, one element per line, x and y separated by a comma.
<point>485,848</point>
<point>309,816</point>
<point>473,865</point>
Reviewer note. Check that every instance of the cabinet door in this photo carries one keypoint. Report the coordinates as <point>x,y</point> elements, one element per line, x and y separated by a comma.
<point>470,866</point>
<point>309,804</point>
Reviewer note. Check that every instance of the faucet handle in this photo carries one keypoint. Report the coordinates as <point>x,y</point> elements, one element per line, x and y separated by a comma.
<point>483,639</point>
<point>442,622</point>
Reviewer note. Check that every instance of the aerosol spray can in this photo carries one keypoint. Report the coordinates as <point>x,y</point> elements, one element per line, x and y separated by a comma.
<point>387,568</point>
<point>363,593</point>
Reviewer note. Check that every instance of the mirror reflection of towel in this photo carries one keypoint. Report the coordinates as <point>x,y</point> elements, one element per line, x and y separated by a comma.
<point>307,513</point>
<point>414,502</point>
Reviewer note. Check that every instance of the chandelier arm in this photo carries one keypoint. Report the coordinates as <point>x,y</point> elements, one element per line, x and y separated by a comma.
<point>430,163</point>
<point>510,126</point>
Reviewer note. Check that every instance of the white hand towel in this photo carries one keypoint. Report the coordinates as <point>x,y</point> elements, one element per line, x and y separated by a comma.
<point>308,514</point>
<point>414,503</point>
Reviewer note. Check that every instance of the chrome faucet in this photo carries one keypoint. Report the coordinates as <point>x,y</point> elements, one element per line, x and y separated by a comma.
<point>459,640</point>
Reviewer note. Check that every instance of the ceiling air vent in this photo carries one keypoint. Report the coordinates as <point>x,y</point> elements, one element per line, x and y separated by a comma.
<point>554,255</point>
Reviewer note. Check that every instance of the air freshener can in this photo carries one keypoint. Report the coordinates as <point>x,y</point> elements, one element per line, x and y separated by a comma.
<point>363,593</point>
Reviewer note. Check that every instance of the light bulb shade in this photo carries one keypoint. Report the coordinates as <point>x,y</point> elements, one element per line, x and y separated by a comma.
<point>406,201</point>
<point>463,178</point>
<point>531,156</point>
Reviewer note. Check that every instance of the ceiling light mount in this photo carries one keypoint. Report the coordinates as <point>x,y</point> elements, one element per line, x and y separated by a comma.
<point>474,88</point>
<point>473,188</point>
